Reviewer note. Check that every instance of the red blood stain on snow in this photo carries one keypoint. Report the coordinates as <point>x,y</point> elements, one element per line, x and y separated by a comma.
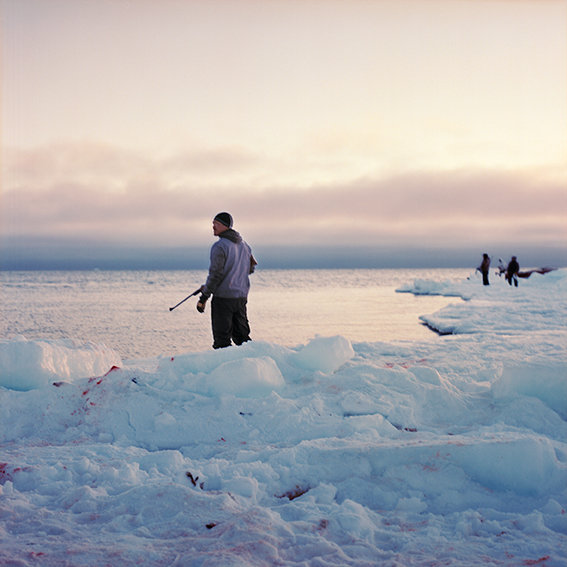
<point>7,473</point>
<point>98,382</point>
<point>4,474</point>
<point>535,561</point>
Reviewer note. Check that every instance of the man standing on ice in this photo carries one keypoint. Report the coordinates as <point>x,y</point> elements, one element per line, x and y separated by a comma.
<point>231,264</point>
<point>484,268</point>
<point>512,271</point>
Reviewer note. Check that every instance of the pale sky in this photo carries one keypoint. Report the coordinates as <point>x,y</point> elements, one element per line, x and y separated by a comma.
<point>380,123</point>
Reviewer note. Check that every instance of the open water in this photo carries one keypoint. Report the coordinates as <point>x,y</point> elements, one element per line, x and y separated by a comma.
<point>129,310</point>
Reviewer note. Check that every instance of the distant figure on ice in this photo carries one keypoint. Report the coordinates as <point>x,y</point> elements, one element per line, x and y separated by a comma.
<point>230,265</point>
<point>501,267</point>
<point>484,269</point>
<point>512,271</point>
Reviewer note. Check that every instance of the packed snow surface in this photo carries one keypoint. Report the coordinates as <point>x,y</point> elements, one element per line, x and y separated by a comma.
<point>450,451</point>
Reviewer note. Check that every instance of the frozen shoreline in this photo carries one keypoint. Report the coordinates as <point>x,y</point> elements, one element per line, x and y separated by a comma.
<point>328,453</point>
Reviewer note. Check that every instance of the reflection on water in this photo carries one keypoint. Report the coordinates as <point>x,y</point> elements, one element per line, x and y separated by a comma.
<point>129,310</point>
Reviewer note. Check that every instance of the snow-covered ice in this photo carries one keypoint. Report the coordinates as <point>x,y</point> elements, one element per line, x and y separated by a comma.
<point>443,452</point>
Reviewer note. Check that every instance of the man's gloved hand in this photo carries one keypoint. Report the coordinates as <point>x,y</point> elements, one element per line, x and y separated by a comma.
<point>201,305</point>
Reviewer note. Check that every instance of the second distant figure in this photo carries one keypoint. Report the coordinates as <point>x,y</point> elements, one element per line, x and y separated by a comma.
<point>230,265</point>
<point>512,271</point>
<point>484,269</point>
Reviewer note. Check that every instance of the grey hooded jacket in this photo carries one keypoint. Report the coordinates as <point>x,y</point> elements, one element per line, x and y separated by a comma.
<point>231,264</point>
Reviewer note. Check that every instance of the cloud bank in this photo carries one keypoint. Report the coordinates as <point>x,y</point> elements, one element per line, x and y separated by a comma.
<point>104,196</point>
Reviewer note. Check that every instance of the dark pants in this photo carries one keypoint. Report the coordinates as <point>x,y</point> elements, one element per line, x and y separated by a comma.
<point>485,278</point>
<point>230,321</point>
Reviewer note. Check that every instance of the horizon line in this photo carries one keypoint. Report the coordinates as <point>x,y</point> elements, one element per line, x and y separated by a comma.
<point>51,257</point>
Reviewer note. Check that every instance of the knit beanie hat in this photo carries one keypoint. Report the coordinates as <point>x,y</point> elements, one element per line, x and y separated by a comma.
<point>225,219</point>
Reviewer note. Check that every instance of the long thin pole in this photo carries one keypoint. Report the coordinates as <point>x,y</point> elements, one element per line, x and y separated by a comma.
<point>183,300</point>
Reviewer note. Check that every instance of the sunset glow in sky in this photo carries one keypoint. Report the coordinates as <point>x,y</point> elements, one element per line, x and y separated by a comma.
<point>372,123</point>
